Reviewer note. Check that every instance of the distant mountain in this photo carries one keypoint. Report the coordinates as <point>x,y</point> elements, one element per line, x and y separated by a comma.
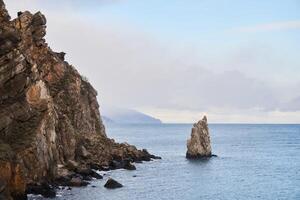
<point>127,116</point>
<point>107,120</point>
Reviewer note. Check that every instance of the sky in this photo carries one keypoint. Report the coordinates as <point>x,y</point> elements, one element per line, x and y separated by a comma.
<point>235,61</point>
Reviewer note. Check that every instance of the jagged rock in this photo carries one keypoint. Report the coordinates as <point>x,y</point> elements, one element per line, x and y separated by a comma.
<point>4,16</point>
<point>49,114</point>
<point>89,172</point>
<point>83,152</point>
<point>112,184</point>
<point>115,164</point>
<point>11,177</point>
<point>43,189</point>
<point>61,55</point>
<point>62,170</point>
<point>77,182</point>
<point>198,145</point>
<point>105,168</point>
<point>38,19</point>
<point>128,165</point>
<point>2,185</point>
<point>96,175</point>
<point>72,165</point>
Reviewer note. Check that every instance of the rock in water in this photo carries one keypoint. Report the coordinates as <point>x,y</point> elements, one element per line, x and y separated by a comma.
<point>112,184</point>
<point>49,114</point>
<point>199,144</point>
<point>43,189</point>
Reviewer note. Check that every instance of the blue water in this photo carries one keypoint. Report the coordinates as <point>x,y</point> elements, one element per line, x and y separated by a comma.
<point>254,162</point>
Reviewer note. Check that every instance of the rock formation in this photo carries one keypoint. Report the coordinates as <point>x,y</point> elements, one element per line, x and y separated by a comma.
<point>199,144</point>
<point>112,184</point>
<point>50,125</point>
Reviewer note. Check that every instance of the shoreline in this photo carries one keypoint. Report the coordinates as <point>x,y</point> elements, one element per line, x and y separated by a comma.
<point>82,177</point>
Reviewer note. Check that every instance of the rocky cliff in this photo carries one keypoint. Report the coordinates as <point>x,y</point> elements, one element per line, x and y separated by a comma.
<point>198,146</point>
<point>49,115</point>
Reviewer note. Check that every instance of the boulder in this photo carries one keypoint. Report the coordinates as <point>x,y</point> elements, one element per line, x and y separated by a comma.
<point>72,165</point>
<point>128,165</point>
<point>105,168</point>
<point>77,182</point>
<point>115,164</point>
<point>43,189</point>
<point>198,146</point>
<point>88,172</point>
<point>112,184</point>
<point>96,175</point>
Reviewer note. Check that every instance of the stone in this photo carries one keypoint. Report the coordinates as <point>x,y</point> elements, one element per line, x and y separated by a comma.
<point>61,55</point>
<point>64,176</point>
<point>63,180</point>
<point>43,189</point>
<point>95,166</point>
<point>112,184</point>
<point>198,146</point>
<point>105,168</point>
<point>88,172</point>
<point>77,182</point>
<point>2,185</point>
<point>38,19</point>
<point>155,157</point>
<point>96,175</point>
<point>4,16</point>
<point>2,197</point>
<point>72,165</point>
<point>115,164</point>
<point>83,152</point>
<point>50,123</point>
<point>12,181</point>
<point>128,165</point>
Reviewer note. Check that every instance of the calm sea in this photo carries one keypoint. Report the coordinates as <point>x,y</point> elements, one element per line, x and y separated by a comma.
<point>254,162</point>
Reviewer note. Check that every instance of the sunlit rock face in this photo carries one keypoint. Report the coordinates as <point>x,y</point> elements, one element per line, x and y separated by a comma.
<point>48,112</point>
<point>198,146</point>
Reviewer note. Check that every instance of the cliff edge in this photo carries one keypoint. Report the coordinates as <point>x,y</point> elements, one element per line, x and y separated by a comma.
<point>49,115</point>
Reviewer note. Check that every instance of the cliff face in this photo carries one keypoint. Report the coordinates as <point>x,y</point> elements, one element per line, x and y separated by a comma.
<point>198,145</point>
<point>49,114</point>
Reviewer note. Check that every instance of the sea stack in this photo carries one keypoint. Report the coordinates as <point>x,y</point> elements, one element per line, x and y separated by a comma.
<point>198,146</point>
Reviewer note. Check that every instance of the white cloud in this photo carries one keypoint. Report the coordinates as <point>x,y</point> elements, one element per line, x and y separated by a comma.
<point>132,69</point>
<point>225,116</point>
<point>275,26</point>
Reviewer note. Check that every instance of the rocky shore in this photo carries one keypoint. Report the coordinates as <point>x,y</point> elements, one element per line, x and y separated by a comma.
<point>51,132</point>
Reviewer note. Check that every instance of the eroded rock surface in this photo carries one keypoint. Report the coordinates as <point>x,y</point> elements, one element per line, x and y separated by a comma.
<point>49,114</point>
<point>198,146</point>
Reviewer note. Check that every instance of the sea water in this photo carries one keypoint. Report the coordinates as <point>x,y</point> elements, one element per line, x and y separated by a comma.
<point>254,162</point>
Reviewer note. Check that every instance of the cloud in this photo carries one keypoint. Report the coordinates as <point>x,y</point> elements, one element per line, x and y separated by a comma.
<point>275,26</point>
<point>132,69</point>
<point>66,7</point>
<point>293,105</point>
<point>225,116</point>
